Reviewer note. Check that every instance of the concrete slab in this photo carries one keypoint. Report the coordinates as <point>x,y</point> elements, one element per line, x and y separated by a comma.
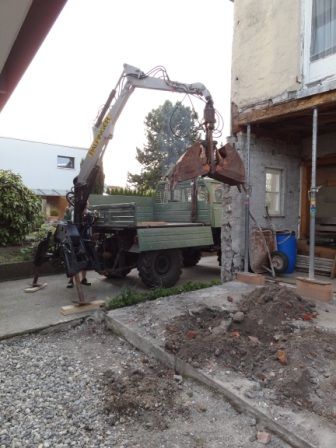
<point>144,327</point>
<point>21,312</point>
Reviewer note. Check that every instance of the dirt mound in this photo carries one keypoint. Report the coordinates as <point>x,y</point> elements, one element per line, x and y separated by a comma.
<point>151,394</point>
<point>261,342</point>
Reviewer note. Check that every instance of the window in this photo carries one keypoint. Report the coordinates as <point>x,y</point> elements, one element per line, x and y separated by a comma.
<point>65,162</point>
<point>182,194</point>
<point>320,40</point>
<point>323,30</point>
<point>202,194</point>
<point>219,194</point>
<point>274,191</point>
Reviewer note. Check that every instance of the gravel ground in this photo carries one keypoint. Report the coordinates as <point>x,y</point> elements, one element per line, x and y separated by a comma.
<point>55,391</point>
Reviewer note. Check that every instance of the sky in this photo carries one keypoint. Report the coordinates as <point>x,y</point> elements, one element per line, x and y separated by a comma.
<point>80,61</point>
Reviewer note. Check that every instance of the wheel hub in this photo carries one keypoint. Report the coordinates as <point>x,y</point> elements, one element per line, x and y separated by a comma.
<point>162,264</point>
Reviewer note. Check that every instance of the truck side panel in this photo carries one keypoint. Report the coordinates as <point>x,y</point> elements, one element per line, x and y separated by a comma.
<point>122,215</point>
<point>181,212</point>
<point>174,237</point>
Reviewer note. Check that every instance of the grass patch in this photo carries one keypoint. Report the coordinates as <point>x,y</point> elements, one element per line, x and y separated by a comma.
<point>129,297</point>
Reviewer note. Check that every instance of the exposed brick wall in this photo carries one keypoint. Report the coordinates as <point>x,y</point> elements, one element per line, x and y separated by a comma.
<point>263,154</point>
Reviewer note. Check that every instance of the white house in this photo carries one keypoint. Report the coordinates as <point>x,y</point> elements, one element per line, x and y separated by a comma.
<point>47,169</point>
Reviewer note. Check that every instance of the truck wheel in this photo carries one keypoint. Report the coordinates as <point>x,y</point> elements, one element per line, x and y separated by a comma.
<point>191,257</point>
<point>219,257</point>
<point>160,268</point>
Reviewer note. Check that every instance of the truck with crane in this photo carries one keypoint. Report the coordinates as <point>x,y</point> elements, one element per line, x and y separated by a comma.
<point>155,239</point>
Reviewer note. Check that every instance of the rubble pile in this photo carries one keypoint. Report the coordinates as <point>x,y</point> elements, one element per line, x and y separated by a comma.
<point>150,394</point>
<point>271,338</point>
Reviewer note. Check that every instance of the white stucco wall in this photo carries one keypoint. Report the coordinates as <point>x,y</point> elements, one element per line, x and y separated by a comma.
<point>37,163</point>
<point>266,49</point>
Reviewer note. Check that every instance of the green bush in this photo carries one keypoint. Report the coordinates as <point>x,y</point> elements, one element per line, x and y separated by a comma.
<point>20,209</point>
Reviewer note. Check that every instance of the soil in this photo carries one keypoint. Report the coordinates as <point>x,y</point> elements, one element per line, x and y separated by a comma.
<point>12,254</point>
<point>148,393</point>
<point>263,342</point>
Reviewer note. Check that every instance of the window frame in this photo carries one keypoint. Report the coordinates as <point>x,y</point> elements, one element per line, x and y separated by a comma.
<point>281,192</point>
<point>320,69</point>
<point>65,167</point>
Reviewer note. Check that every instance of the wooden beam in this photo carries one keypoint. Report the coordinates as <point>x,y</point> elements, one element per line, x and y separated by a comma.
<point>322,161</point>
<point>76,308</point>
<point>284,109</point>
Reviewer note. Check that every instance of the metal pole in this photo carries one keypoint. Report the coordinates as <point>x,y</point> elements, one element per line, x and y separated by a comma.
<point>312,196</point>
<point>247,201</point>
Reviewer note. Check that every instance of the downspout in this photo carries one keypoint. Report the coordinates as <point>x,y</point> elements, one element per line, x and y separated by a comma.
<point>247,201</point>
<point>312,196</point>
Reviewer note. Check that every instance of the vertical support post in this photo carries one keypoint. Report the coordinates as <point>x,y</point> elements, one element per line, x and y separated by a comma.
<point>247,201</point>
<point>312,196</point>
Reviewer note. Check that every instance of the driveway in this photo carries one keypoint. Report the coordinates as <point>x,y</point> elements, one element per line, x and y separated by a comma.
<point>20,311</point>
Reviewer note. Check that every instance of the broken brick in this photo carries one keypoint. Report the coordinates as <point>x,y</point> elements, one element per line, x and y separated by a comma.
<point>235,334</point>
<point>191,334</point>
<point>309,316</point>
<point>282,357</point>
<point>264,437</point>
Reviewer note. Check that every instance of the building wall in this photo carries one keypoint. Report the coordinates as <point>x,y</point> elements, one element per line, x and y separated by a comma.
<point>287,157</point>
<point>266,49</point>
<point>264,153</point>
<point>37,163</point>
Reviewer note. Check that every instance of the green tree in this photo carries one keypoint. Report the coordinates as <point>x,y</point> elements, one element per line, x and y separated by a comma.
<point>170,129</point>
<point>20,209</point>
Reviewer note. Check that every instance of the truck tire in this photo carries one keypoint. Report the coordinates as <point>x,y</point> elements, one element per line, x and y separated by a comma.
<point>191,257</point>
<point>160,268</point>
<point>219,257</point>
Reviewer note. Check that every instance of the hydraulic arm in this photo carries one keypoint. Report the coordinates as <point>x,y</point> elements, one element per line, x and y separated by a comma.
<point>200,159</point>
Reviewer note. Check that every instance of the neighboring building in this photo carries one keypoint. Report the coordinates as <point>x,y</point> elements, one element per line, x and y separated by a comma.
<point>284,68</point>
<point>45,168</point>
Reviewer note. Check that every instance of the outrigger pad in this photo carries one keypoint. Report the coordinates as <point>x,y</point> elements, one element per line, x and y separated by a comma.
<point>228,167</point>
<point>36,287</point>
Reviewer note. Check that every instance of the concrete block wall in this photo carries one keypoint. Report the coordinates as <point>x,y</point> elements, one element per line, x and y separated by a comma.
<point>264,153</point>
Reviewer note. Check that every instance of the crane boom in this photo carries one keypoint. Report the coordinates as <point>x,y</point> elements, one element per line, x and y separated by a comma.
<point>203,158</point>
<point>104,128</point>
